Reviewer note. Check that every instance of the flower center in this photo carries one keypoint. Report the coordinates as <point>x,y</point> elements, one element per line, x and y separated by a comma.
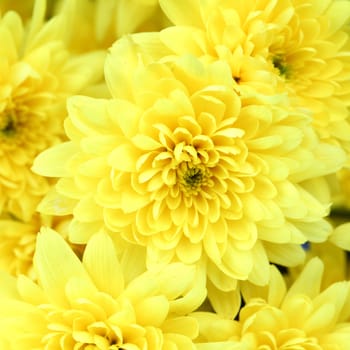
<point>280,63</point>
<point>7,124</point>
<point>192,177</point>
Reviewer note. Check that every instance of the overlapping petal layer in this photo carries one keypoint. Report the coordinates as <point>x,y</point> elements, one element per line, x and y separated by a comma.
<point>305,44</point>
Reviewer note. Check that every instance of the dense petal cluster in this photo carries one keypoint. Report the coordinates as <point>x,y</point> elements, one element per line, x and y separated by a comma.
<point>37,73</point>
<point>181,162</point>
<point>305,44</point>
<point>99,303</point>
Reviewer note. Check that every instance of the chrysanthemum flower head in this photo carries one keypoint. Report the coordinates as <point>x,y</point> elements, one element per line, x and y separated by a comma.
<point>304,43</point>
<point>180,162</point>
<point>36,75</point>
<point>102,302</point>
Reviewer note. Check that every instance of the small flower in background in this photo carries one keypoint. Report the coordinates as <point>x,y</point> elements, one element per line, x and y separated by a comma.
<point>103,302</point>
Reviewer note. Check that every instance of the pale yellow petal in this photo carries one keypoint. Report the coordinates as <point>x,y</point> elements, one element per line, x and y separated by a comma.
<point>341,236</point>
<point>56,204</point>
<point>56,263</point>
<point>152,311</point>
<point>178,11</point>
<point>101,262</point>
<point>52,162</point>
<point>225,304</point>
<point>309,280</point>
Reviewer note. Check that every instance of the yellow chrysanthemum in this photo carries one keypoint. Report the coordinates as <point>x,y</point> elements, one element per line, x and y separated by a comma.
<point>102,22</point>
<point>181,163</point>
<point>36,76</point>
<point>99,303</point>
<point>305,44</point>
<point>17,241</point>
<point>274,317</point>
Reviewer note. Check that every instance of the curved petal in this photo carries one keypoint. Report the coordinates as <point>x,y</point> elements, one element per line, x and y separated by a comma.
<point>56,264</point>
<point>101,262</point>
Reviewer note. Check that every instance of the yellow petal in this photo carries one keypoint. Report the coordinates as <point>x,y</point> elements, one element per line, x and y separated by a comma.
<point>188,252</point>
<point>338,13</point>
<point>309,280</point>
<point>102,264</point>
<point>260,272</point>
<point>183,40</point>
<point>56,204</point>
<point>8,286</point>
<point>181,325</point>
<point>178,10</point>
<point>87,210</point>
<point>285,254</point>
<point>123,58</point>
<point>56,263</point>
<point>341,236</point>
<point>226,304</point>
<point>52,162</point>
<point>152,311</point>
<point>124,158</point>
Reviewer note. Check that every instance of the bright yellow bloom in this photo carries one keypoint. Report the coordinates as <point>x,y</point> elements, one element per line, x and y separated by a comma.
<point>181,163</point>
<point>99,303</point>
<point>274,317</point>
<point>305,43</point>
<point>17,241</point>
<point>36,76</point>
